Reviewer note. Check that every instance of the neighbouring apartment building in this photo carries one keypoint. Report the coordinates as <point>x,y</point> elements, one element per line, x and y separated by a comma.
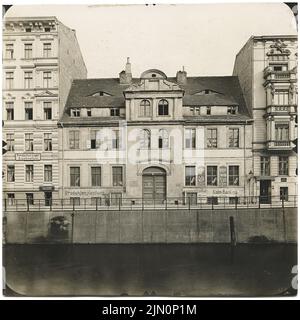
<point>267,70</point>
<point>41,57</point>
<point>154,137</point>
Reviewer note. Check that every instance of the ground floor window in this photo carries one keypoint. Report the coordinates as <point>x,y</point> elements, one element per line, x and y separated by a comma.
<point>115,198</point>
<point>96,201</point>
<point>284,193</point>
<point>191,197</point>
<point>233,200</point>
<point>48,198</point>
<point>29,198</point>
<point>11,199</point>
<point>75,201</point>
<point>212,200</point>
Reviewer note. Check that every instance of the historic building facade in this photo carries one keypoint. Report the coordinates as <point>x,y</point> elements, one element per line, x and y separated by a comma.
<point>267,70</point>
<point>41,57</point>
<point>155,137</point>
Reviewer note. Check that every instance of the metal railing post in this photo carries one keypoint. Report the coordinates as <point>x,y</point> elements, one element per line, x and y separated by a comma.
<point>73,200</point>
<point>5,204</point>
<point>236,202</point>
<point>119,204</point>
<point>282,200</point>
<point>212,204</point>
<point>96,204</point>
<point>142,204</point>
<point>27,205</point>
<point>189,203</point>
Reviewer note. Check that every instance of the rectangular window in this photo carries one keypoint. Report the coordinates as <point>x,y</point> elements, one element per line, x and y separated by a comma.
<point>234,200</point>
<point>281,97</point>
<point>282,132</point>
<point>47,141</point>
<point>28,79</point>
<point>48,173</point>
<point>9,110</point>
<point>29,173</point>
<point>283,166</point>
<point>28,111</point>
<point>10,173</point>
<point>74,139</point>
<point>114,112</point>
<point>11,199</point>
<point>28,141</point>
<point>190,175</point>
<point>212,200</point>
<point>234,137</point>
<point>95,139</point>
<point>191,198</point>
<point>9,51</point>
<point>10,140</point>
<point>116,198</point>
<point>29,198</point>
<point>75,112</point>
<point>163,108</point>
<point>47,110</point>
<point>96,176</point>
<point>190,138</point>
<point>75,201</point>
<point>212,175</point>
<point>234,175</point>
<point>47,50</point>
<point>47,76</point>
<point>89,112</point>
<point>117,175</point>
<point>265,166</point>
<point>284,193</point>
<point>75,176</point>
<point>208,111</point>
<point>28,50</point>
<point>212,140</point>
<point>9,80</point>
<point>231,110</point>
<point>115,142</point>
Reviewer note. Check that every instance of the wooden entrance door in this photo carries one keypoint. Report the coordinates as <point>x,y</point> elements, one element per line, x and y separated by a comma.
<point>154,185</point>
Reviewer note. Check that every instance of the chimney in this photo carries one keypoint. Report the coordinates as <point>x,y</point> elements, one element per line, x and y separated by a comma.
<point>181,76</point>
<point>126,76</point>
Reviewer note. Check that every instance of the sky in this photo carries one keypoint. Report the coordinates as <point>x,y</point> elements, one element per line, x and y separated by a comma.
<point>204,38</point>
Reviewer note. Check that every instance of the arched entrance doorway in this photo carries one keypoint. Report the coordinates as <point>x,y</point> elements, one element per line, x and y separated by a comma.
<point>154,185</point>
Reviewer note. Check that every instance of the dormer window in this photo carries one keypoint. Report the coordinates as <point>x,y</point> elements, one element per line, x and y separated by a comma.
<point>208,110</point>
<point>206,91</point>
<point>115,112</point>
<point>153,75</point>
<point>232,110</point>
<point>89,112</point>
<point>28,30</point>
<point>75,112</point>
<point>47,29</point>
<point>100,94</point>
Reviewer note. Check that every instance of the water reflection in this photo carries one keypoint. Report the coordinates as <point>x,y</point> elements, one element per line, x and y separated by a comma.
<point>166,270</point>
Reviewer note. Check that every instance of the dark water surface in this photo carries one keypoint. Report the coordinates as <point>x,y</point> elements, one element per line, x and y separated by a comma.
<point>159,269</point>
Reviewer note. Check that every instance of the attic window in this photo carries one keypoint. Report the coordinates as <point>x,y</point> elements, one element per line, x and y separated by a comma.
<point>47,29</point>
<point>100,94</point>
<point>206,91</point>
<point>153,75</point>
<point>28,30</point>
<point>208,110</point>
<point>232,110</point>
<point>89,112</point>
<point>75,112</point>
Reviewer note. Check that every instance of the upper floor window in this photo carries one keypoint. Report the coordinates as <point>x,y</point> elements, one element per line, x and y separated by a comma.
<point>47,29</point>
<point>117,176</point>
<point>74,139</point>
<point>28,111</point>
<point>29,173</point>
<point>233,138</point>
<point>9,80</point>
<point>28,141</point>
<point>48,173</point>
<point>9,110</point>
<point>212,175</point>
<point>9,51</point>
<point>47,76</point>
<point>281,97</point>
<point>96,176</point>
<point>283,166</point>
<point>145,139</point>
<point>279,67</point>
<point>232,110</point>
<point>163,139</point>
<point>115,112</point>
<point>234,175</point>
<point>208,110</point>
<point>28,50</point>
<point>10,173</point>
<point>195,111</point>
<point>47,50</point>
<point>190,138</point>
<point>265,166</point>
<point>282,132</point>
<point>212,140</point>
<point>27,29</point>
<point>115,141</point>
<point>28,79</point>
<point>95,139</point>
<point>75,112</point>
<point>10,140</point>
<point>47,141</point>
<point>145,108</point>
<point>89,112</point>
<point>163,108</point>
<point>47,110</point>
<point>75,176</point>
<point>190,175</point>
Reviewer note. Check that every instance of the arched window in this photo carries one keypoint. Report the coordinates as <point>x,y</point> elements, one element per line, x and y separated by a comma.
<point>163,139</point>
<point>163,108</point>
<point>145,110</point>
<point>145,139</point>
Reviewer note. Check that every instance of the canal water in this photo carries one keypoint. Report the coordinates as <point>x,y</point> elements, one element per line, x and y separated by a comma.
<point>141,270</point>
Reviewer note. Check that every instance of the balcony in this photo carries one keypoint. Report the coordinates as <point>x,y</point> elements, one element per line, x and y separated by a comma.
<point>280,145</point>
<point>281,109</point>
<point>270,74</point>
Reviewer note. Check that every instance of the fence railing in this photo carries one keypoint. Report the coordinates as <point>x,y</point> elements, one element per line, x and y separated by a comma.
<point>183,203</point>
